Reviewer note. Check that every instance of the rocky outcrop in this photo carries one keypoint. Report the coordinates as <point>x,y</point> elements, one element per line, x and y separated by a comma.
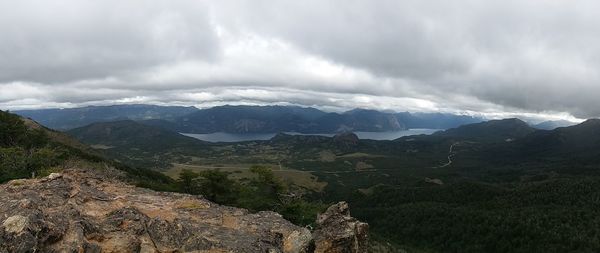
<point>87,211</point>
<point>338,232</point>
<point>347,140</point>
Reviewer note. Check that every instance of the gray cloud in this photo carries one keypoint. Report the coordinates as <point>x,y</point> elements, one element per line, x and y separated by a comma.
<point>490,57</point>
<point>62,41</point>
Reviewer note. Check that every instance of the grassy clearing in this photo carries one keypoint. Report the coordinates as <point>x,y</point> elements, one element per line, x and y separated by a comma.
<point>241,171</point>
<point>100,146</point>
<point>327,156</point>
<point>360,155</point>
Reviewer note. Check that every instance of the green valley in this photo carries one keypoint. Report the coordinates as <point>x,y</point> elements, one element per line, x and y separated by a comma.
<point>462,188</point>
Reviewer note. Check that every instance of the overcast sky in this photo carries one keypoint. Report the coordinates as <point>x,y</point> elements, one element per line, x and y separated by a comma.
<point>498,58</point>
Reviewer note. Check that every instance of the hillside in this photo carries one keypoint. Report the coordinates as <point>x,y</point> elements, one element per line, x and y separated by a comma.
<point>138,144</point>
<point>493,130</point>
<point>563,147</point>
<point>28,149</point>
<point>129,133</point>
<point>580,137</point>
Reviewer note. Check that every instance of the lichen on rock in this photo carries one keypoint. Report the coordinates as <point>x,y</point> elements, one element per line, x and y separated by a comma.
<point>86,211</point>
<point>15,224</point>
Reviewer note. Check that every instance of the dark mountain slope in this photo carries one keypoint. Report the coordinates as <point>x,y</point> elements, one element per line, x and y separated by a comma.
<point>128,133</point>
<point>493,130</point>
<point>582,140</point>
<point>571,149</point>
<point>139,145</point>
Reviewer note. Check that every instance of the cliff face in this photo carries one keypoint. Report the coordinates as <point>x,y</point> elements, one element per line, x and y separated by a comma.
<point>87,211</point>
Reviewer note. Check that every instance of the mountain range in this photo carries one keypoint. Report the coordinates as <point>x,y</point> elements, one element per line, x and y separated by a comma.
<point>69,118</point>
<point>247,119</point>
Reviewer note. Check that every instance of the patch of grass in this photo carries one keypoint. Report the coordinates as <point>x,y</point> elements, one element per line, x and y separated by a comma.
<point>241,171</point>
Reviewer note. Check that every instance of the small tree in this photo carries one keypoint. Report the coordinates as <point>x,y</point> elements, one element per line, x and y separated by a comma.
<point>216,186</point>
<point>187,181</point>
<point>12,129</point>
<point>13,164</point>
<point>267,181</point>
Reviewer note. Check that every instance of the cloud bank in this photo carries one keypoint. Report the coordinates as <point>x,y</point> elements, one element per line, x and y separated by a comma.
<point>494,58</point>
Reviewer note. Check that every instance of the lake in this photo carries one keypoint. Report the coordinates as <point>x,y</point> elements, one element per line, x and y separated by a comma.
<point>229,137</point>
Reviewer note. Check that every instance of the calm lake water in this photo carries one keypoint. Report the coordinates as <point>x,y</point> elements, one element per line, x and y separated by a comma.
<point>228,137</point>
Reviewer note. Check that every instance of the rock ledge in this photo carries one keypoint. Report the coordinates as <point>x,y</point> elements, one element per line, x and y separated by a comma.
<point>86,211</point>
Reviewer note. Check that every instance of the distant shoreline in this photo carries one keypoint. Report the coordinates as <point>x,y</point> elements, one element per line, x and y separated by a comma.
<point>237,137</point>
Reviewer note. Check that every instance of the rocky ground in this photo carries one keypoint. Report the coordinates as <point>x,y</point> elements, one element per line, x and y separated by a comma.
<point>89,211</point>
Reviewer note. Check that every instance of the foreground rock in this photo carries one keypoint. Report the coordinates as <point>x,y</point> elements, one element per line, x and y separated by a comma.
<point>84,211</point>
<point>338,232</point>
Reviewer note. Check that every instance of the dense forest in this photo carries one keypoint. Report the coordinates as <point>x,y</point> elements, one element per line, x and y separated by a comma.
<point>559,215</point>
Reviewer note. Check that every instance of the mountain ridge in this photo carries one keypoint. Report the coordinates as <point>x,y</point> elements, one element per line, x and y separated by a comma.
<point>492,130</point>
<point>553,124</point>
<point>247,119</point>
<point>68,118</point>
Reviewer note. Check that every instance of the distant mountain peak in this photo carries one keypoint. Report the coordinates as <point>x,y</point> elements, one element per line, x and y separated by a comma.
<point>509,120</point>
<point>362,110</point>
<point>553,124</point>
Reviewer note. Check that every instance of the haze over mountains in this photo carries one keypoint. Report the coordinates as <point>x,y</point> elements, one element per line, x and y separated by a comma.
<point>63,119</point>
<point>247,119</point>
<point>552,124</point>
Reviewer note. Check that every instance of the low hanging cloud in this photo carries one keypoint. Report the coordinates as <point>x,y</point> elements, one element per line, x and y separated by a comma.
<point>494,58</point>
